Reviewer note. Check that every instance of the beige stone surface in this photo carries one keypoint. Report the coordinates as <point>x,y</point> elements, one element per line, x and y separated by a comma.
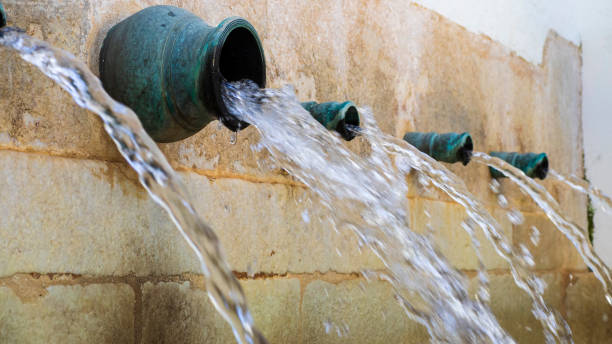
<point>512,306</point>
<point>588,312</point>
<point>99,313</point>
<point>444,224</point>
<point>553,250</point>
<point>180,313</point>
<point>368,310</point>
<point>426,74</point>
<point>69,203</point>
<point>55,209</point>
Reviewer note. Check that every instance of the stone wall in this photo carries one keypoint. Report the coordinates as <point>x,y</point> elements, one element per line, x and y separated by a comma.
<point>87,256</point>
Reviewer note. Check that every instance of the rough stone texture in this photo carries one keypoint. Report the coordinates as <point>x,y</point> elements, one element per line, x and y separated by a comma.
<point>99,313</point>
<point>368,310</point>
<point>56,209</point>
<point>444,223</point>
<point>180,313</point>
<point>588,312</point>
<point>69,203</point>
<point>512,306</point>
<point>553,250</point>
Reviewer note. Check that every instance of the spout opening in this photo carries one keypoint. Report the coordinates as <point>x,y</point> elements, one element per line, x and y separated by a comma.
<point>541,168</point>
<point>2,16</point>
<point>238,56</point>
<point>464,154</point>
<point>241,57</point>
<point>349,124</point>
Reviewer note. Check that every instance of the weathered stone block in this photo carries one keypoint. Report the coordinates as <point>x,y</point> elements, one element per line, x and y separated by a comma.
<point>512,306</point>
<point>588,312</point>
<point>355,311</point>
<point>553,250</point>
<point>444,223</point>
<point>98,313</point>
<point>56,209</point>
<point>180,313</point>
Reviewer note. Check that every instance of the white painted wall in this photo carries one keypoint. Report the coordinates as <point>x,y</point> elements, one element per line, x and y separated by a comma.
<point>522,25</point>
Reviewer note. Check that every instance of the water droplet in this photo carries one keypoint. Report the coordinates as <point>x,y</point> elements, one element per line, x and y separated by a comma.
<point>251,268</point>
<point>535,235</point>
<point>604,318</point>
<point>516,217</point>
<point>494,186</point>
<point>502,201</point>
<point>234,137</point>
<point>328,325</point>
<point>305,216</point>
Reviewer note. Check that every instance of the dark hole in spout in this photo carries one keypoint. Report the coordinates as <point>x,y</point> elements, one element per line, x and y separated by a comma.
<point>2,17</point>
<point>465,152</point>
<point>541,170</point>
<point>349,126</point>
<point>241,57</point>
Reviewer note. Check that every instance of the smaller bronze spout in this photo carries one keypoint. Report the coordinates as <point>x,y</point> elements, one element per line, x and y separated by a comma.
<point>532,164</point>
<point>2,16</point>
<point>448,147</point>
<point>341,117</point>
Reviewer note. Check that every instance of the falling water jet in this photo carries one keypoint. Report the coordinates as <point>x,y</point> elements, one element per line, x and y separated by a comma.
<point>168,65</point>
<point>155,173</point>
<point>553,211</point>
<point>341,117</point>
<point>555,327</point>
<point>532,164</point>
<point>448,147</point>
<point>375,211</point>
<point>586,188</point>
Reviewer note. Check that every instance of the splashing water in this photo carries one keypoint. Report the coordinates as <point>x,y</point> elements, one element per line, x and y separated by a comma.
<point>554,326</point>
<point>586,188</point>
<point>153,169</point>
<point>368,195</point>
<point>550,206</point>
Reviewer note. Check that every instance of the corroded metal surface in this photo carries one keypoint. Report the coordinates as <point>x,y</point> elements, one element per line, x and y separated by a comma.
<point>2,16</point>
<point>168,65</point>
<point>336,116</point>
<point>448,147</point>
<point>532,164</point>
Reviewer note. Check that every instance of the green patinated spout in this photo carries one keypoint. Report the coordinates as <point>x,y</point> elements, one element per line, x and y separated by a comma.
<point>168,65</point>
<point>2,16</point>
<point>532,164</point>
<point>341,117</point>
<point>448,147</point>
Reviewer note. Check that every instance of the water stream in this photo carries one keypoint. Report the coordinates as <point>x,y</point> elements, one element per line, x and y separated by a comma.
<point>520,260</point>
<point>365,194</point>
<point>550,206</point>
<point>154,172</point>
<point>586,188</point>
<point>369,195</point>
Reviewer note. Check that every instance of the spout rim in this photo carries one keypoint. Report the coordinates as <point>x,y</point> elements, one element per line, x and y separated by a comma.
<point>2,16</point>
<point>464,153</point>
<point>540,169</point>
<point>348,115</point>
<point>222,33</point>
